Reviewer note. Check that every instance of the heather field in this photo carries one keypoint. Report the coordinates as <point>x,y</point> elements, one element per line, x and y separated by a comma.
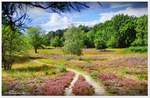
<point>50,72</point>
<point>74,48</point>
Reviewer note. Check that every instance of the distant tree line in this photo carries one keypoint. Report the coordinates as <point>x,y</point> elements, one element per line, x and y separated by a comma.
<point>121,31</point>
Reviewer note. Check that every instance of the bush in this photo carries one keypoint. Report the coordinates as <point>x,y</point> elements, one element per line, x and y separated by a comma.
<point>112,42</point>
<point>100,44</point>
<point>94,74</point>
<point>73,41</point>
<point>56,42</point>
<point>72,47</point>
<point>139,42</point>
<point>137,49</point>
<point>62,68</point>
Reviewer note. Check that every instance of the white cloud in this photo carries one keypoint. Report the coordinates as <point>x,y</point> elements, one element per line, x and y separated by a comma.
<point>129,11</point>
<point>57,21</point>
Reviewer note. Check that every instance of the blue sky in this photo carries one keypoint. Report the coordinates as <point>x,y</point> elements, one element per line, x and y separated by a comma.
<point>88,17</point>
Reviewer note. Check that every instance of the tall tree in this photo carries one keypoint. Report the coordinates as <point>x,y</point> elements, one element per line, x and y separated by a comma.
<point>73,41</point>
<point>127,33</point>
<point>10,37</point>
<point>36,37</point>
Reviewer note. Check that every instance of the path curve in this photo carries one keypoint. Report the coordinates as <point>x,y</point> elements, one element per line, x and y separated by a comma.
<point>99,90</point>
<point>68,91</point>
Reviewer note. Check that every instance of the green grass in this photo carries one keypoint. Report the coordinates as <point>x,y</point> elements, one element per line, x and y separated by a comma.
<point>62,68</point>
<point>142,77</point>
<point>50,51</point>
<point>137,49</point>
<point>124,71</point>
<point>52,61</point>
<point>32,70</point>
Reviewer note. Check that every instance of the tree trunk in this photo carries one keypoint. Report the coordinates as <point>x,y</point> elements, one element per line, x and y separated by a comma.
<point>8,64</point>
<point>35,49</point>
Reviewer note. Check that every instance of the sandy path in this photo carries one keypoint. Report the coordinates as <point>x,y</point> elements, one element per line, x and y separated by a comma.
<point>99,90</point>
<point>68,91</point>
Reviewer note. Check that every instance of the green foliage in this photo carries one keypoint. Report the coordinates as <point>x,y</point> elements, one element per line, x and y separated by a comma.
<point>36,37</point>
<point>73,41</point>
<point>94,74</point>
<point>112,42</point>
<point>62,68</point>
<point>142,77</point>
<point>90,39</point>
<point>120,32</point>
<point>57,42</point>
<point>142,32</point>
<point>99,41</point>
<point>100,44</point>
<point>46,40</point>
<point>26,43</point>
<point>12,43</point>
<point>137,49</point>
<point>138,42</point>
<point>126,33</point>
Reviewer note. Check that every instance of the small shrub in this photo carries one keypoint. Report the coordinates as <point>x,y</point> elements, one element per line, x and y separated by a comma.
<point>46,72</point>
<point>100,44</point>
<point>73,47</point>
<point>142,77</point>
<point>94,74</point>
<point>62,68</point>
<point>125,71</point>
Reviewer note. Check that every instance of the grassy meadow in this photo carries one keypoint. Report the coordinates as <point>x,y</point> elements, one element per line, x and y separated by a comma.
<point>120,72</point>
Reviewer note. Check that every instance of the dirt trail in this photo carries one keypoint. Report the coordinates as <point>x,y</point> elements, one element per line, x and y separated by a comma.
<point>68,91</point>
<point>99,90</point>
